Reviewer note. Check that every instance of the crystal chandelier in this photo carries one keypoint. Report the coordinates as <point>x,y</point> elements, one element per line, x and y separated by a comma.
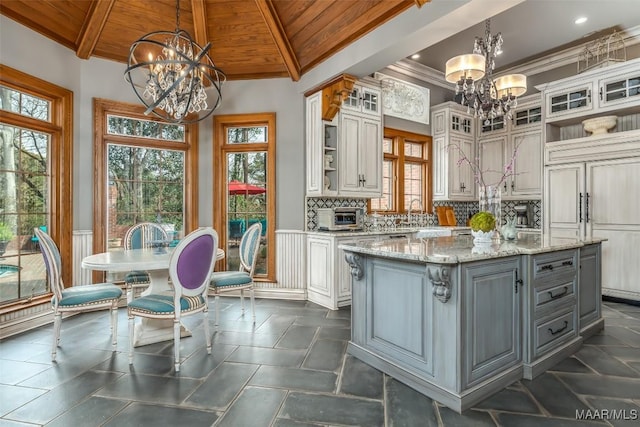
<point>173,76</point>
<point>473,76</point>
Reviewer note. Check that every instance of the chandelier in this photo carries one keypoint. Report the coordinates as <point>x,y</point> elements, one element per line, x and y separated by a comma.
<point>473,75</point>
<point>173,76</point>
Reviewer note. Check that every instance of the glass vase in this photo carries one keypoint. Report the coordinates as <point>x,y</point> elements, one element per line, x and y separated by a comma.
<point>490,199</point>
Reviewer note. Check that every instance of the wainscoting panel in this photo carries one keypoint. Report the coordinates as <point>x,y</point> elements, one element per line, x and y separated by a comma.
<point>82,247</point>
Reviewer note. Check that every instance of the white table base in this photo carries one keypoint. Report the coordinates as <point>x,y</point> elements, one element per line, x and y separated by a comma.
<point>151,331</point>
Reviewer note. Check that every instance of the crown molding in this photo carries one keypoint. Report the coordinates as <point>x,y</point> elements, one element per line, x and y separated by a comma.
<point>568,56</point>
<point>565,57</point>
<point>409,68</point>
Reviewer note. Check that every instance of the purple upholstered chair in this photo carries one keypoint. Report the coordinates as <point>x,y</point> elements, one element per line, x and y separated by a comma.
<point>190,268</point>
<point>76,298</point>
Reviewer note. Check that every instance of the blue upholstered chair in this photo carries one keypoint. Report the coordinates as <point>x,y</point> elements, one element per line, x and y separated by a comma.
<point>141,236</point>
<point>190,268</point>
<point>224,281</point>
<point>76,298</point>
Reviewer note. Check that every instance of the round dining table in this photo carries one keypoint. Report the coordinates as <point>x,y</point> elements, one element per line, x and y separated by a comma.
<point>156,263</point>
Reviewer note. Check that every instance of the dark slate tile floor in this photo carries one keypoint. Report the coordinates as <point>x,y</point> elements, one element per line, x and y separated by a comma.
<point>290,369</point>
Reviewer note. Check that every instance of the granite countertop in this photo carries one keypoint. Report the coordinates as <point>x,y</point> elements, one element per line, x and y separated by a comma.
<point>403,230</point>
<point>454,250</point>
<point>397,230</point>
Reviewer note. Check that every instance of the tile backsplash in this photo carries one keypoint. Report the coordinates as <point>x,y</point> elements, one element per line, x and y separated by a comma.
<point>462,210</point>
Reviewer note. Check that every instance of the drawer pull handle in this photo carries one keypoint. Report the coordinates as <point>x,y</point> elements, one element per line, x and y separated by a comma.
<point>547,267</point>
<point>569,262</point>
<point>557,331</point>
<point>561,294</point>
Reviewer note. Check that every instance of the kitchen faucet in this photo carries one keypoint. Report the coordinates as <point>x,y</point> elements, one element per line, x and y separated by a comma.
<point>411,209</point>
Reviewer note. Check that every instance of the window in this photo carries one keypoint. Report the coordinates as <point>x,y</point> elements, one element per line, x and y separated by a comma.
<point>244,164</point>
<point>36,167</point>
<point>405,172</point>
<point>146,171</point>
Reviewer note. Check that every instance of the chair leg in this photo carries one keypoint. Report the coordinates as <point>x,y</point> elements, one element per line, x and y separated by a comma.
<point>207,335</point>
<point>242,300</point>
<point>176,343</point>
<point>114,325</point>
<point>253,304</point>
<point>131,331</point>
<point>217,307</point>
<point>57,320</point>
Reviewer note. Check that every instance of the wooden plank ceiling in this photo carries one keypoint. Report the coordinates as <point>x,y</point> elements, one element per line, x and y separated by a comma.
<point>250,39</point>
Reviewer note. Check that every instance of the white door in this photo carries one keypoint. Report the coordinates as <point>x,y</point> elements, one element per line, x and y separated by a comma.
<point>462,181</point>
<point>314,143</point>
<point>527,165</point>
<point>564,200</point>
<point>348,174</point>
<point>613,189</point>
<point>370,156</point>
<point>490,152</point>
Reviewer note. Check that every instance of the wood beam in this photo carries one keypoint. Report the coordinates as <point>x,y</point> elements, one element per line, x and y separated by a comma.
<point>92,27</point>
<point>421,3</point>
<point>268,11</point>
<point>199,12</point>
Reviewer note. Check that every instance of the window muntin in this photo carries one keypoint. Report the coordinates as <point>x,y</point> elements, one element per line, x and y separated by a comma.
<point>36,128</point>
<point>247,135</point>
<point>24,205</point>
<point>405,172</point>
<point>25,104</point>
<point>140,128</point>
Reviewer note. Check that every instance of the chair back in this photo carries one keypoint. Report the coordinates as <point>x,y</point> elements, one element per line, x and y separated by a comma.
<point>192,263</point>
<point>52,262</point>
<point>142,235</point>
<point>249,248</point>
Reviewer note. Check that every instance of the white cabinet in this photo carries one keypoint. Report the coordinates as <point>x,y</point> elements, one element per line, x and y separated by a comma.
<point>344,156</point>
<point>453,134</point>
<point>497,142</point>
<point>592,93</point>
<point>328,274</point>
<point>598,198</point>
<point>360,156</point>
<point>363,100</point>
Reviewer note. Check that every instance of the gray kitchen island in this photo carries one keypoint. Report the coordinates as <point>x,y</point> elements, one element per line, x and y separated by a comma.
<point>459,322</point>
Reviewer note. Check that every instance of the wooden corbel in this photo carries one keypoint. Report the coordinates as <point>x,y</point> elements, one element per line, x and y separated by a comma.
<point>333,93</point>
<point>420,3</point>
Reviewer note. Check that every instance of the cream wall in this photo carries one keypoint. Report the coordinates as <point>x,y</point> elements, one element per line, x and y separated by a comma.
<point>29,52</point>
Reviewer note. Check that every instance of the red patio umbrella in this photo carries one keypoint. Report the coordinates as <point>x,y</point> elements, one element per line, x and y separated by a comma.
<point>237,188</point>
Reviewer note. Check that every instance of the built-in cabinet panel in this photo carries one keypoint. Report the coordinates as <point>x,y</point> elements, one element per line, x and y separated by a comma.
<point>453,136</point>
<point>599,199</point>
<point>592,183</point>
<point>499,140</point>
<point>590,288</point>
<point>344,156</point>
<point>596,92</point>
<point>492,320</point>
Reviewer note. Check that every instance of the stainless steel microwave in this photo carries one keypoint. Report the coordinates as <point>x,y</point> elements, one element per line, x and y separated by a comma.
<point>340,219</point>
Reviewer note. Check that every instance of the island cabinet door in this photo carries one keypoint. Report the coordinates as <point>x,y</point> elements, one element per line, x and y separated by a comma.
<point>491,318</point>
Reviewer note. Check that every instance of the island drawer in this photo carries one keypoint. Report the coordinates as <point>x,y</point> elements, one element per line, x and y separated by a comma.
<point>556,263</point>
<point>552,330</point>
<point>556,293</point>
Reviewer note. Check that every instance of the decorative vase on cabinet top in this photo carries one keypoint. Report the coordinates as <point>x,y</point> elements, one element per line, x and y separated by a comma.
<point>600,125</point>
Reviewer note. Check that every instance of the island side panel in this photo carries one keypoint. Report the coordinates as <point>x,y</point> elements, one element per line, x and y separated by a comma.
<point>401,328</point>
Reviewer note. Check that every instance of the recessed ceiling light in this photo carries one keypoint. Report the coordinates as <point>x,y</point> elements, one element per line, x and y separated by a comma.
<point>415,56</point>
<point>580,20</point>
